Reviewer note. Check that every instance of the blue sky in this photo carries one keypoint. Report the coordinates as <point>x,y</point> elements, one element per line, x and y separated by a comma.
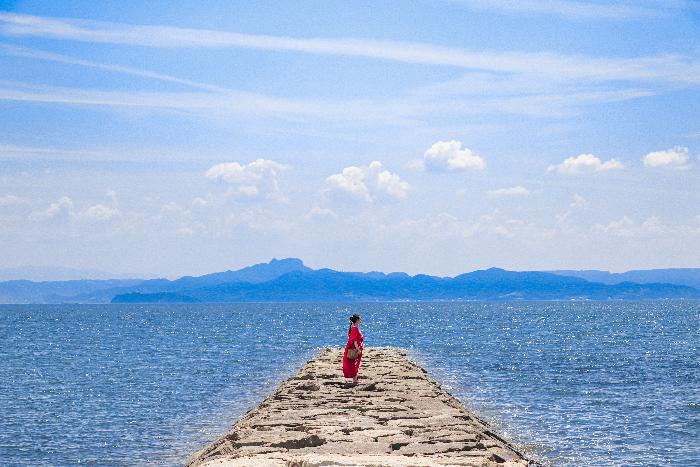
<point>170,138</point>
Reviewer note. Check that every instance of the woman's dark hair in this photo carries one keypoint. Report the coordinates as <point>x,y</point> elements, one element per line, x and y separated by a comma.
<point>353,320</point>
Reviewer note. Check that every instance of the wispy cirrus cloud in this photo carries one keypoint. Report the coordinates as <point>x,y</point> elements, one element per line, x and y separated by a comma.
<point>238,103</point>
<point>572,9</point>
<point>13,150</point>
<point>475,93</point>
<point>213,105</point>
<point>68,60</point>
<point>668,68</point>
<point>510,84</point>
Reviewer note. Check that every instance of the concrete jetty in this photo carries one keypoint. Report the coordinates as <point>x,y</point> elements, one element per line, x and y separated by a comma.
<point>398,417</point>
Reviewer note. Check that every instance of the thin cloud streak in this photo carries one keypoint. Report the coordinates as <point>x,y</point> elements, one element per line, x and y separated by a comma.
<point>395,111</point>
<point>65,59</point>
<point>211,105</point>
<point>481,93</point>
<point>172,100</point>
<point>665,68</point>
<point>564,8</point>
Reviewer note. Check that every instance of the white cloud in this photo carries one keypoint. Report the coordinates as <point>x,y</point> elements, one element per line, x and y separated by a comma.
<point>367,182</point>
<point>578,202</point>
<point>350,180</point>
<point>173,207</point>
<point>494,92</point>
<point>257,178</point>
<point>63,207</point>
<point>621,228</point>
<point>200,202</point>
<point>100,212</point>
<point>449,155</point>
<point>392,184</point>
<point>435,227</point>
<point>585,163</point>
<point>248,190</point>
<point>319,212</point>
<point>511,191</point>
<point>12,200</point>
<point>565,8</point>
<point>210,104</point>
<point>59,58</point>
<point>672,68</point>
<point>652,226</point>
<point>556,102</point>
<point>447,227</point>
<point>234,172</point>
<point>676,158</point>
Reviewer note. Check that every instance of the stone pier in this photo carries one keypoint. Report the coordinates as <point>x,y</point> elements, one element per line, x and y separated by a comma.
<point>398,417</point>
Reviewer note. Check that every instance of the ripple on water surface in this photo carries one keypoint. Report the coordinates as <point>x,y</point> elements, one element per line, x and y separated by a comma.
<point>572,382</point>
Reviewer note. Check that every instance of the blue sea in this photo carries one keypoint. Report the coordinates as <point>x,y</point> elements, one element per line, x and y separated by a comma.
<point>570,383</point>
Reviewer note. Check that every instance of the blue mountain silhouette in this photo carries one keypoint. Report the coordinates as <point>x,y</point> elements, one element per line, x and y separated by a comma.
<point>289,280</point>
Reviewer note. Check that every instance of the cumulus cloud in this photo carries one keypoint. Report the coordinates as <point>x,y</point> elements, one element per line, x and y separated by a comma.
<point>578,202</point>
<point>621,228</point>
<point>676,158</point>
<point>392,184</point>
<point>367,182</point>
<point>257,178</point>
<point>511,191</point>
<point>63,207</point>
<point>319,212</point>
<point>585,163</point>
<point>100,212</point>
<point>650,227</point>
<point>447,227</point>
<point>202,202</point>
<point>173,207</point>
<point>449,155</point>
<point>350,180</point>
<point>436,227</point>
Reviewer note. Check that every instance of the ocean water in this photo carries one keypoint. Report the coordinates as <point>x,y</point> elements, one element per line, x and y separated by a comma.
<point>571,383</point>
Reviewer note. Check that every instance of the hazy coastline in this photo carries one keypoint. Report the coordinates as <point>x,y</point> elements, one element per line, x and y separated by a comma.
<point>290,280</point>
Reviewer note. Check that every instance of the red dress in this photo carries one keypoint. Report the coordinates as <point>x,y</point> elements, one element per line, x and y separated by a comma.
<point>350,367</point>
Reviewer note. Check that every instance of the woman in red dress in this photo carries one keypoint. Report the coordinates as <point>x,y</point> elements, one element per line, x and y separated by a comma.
<point>355,341</point>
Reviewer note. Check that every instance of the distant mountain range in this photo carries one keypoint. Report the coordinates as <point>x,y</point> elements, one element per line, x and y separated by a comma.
<point>289,280</point>
<point>102,291</point>
<point>678,276</point>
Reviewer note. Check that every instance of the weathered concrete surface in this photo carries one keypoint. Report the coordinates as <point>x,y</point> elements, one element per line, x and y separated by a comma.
<point>399,417</point>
